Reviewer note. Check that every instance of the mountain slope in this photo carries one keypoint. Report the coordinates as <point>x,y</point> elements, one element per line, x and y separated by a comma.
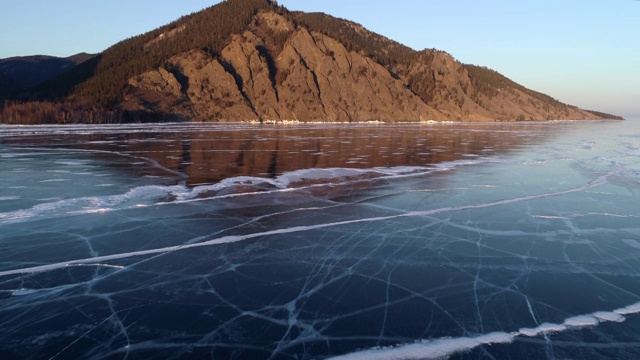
<point>253,60</point>
<point>312,77</point>
<point>20,73</point>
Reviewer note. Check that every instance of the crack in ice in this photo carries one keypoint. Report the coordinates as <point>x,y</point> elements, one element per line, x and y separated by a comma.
<point>295,229</point>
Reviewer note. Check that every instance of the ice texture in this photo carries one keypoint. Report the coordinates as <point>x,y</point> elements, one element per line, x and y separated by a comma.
<point>397,241</point>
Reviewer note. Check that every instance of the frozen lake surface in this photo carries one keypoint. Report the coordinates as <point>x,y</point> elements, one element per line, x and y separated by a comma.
<point>431,241</point>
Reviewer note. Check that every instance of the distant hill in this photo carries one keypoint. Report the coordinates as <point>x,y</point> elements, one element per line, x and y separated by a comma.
<point>254,60</point>
<point>21,73</point>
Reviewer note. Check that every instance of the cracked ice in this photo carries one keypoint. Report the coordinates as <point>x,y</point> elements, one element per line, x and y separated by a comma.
<point>306,242</point>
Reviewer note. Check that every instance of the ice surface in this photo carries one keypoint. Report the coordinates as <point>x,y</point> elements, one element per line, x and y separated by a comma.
<point>470,241</point>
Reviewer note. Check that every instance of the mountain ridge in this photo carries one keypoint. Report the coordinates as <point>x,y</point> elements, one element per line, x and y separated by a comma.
<point>23,72</point>
<point>243,60</point>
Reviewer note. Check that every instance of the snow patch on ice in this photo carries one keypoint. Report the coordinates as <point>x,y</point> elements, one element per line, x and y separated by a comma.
<point>630,309</point>
<point>632,243</point>
<point>444,347</point>
<point>581,321</point>
<point>608,316</point>
<point>7,198</point>
<point>544,328</point>
<point>433,349</point>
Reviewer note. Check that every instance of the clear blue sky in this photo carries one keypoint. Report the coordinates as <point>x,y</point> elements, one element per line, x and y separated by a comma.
<point>584,52</point>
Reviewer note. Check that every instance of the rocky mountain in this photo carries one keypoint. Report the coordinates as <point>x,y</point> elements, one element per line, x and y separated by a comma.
<point>24,72</point>
<point>245,60</point>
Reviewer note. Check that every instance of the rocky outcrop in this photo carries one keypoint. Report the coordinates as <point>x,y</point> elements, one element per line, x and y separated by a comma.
<point>192,85</point>
<point>313,77</point>
<point>278,70</point>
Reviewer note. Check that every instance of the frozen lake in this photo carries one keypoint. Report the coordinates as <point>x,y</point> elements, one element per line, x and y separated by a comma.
<point>423,241</point>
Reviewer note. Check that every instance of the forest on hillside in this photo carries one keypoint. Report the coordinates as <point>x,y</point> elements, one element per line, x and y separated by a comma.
<point>58,113</point>
<point>103,78</point>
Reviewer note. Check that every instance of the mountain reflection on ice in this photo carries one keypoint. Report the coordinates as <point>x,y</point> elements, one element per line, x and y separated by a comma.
<point>473,241</point>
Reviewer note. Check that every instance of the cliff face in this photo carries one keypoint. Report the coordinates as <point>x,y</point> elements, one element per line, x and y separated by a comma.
<point>481,95</point>
<point>313,77</point>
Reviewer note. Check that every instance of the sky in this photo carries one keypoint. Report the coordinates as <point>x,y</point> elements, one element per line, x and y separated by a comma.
<point>582,52</point>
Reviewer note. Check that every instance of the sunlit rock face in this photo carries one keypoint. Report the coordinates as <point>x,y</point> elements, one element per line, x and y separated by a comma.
<point>279,70</point>
<point>427,241</point>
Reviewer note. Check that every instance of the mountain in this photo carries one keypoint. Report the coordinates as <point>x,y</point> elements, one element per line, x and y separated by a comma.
<point>254,60</point>
<point>21,73</point>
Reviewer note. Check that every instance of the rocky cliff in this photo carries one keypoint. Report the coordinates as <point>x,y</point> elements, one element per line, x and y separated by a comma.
<point>314,77</point>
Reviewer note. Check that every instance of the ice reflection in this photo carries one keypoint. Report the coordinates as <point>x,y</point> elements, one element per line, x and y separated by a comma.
<point>214,153</point>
